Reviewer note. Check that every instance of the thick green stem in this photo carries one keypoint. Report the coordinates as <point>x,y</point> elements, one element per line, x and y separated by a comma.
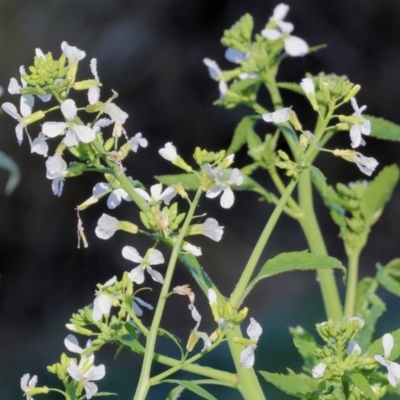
<point>316,242</point>
<point>244,280</point>
<point>352,280</point>
<point>144,383</point>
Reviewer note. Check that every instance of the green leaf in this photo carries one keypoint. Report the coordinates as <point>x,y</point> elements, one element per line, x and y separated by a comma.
<point>294,87</point>
<point>389,276</point>
<point>7,163</point>
<point>188,181</point>
<point>290,384</point>
<point>175,393</point>
<point>174,338</point>
<point>318,179</point>
<point>244,133</point>
<point>193,387</point>
<point>362,383</point>
<point>383,129</point>
<point>301,334</point>
<point>376,348</point>
<point>294,261</point>
<point>378,193</point>
<point>305,346</point>
<point>131,330</point>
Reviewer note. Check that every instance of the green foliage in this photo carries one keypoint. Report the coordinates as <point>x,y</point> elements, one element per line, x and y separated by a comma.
<point>362,383</point>
<point>193,387</point>
<point>383,129</point>
<point>302,337</point>
<point>318,179</point>
<point>294,261</point>
<point>244,133</point>
<point>7,163</point>
<point>389,276</point>
<point>239,35</point>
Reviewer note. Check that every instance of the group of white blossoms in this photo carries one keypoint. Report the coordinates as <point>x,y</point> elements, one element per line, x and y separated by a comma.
<point>297,47</point>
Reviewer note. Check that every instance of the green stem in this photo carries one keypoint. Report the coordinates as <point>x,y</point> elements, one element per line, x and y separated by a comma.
<point>244,280</point>
<point>316,242</point>
<point>248,384</point>
<point>144,383</point>
<point>352,280</point>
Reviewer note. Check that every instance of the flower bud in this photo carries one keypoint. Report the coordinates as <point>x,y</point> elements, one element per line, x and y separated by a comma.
<point>128,227</point>
<point>86,84</point>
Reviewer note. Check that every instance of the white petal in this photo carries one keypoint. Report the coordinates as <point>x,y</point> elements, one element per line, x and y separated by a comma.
<point>84,133</point>
<point>137,275</point>
<point>123,194</point>
<point>57,186</point>
<point>71,139</point>
<point>393,373</point>
<point>366,165</point>
<point>213,68</point>
<point>26,104</point>
<point>286,27</point>
<point>100,188</point>
<point>53,129</point>
<point>190,248</point>
<point>90,389</point>
<point>307,85</point>
<point>235,56</point>
<point>40,146</point>
<point>167,195</point>
<point>115,113</point>
<point>109,282</point>
<point>74,371</point>
<point>212,230</point>
<point>19,130</point>
<point>387,343</point>
<point>73,54</point>
<point>168,152</point>
<point>318,371</point>
<point>154,257</point>
<point>14,88</point>
<point>155,191</point>
<point>212,296</point>
<point>280,12</point>
<point>131,254</point>
<point>24,382</point>
<point>11,110</point>
<point>213,192</point>
<point>72,344</point>
<point>295,46</point>
<point>143,194</point>
<point>114,200</point>
<point>271,34</point>
<point>68,109</point>
<point>155,275</point>
<point>355,136</point>
<point>353,347</point>
<point>278,116</point>
<point>236,177</point>
<point>254,330</point>
<point>227,198</point>
<point>143,303</point>
<point>247,357</point>
<point>93,68</point>
<point>94,94</point>
<point>96,373</point>
<point>45,97</point>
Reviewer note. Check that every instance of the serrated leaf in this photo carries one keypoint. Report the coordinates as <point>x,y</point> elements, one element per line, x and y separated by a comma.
<point>7,163</point>
<point>294,261</point>
<point>318,179</point>
<point>300,333</point>
<point>378,193</point>
<point>240,137</point>
<point>389,276</point>
<point>376,348</point>
<point>362,383</point>
<point>305,346</point>
<point>290,384</point>
<point>383,129</point>
<point>175,393</point>
<point>193,387</point>
<point>188,181</point>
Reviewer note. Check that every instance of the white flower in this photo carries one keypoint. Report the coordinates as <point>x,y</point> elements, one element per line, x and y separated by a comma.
<point>190,248</point>
<point>39,145</point>
<point>136,141</point>
<point>212,230</point>
<point>55,169</point>
<point>152,257</point>
<point>280,12</point>
<point>27,383</point>
<point>168,152</point>
<point>72,344</point>
<point>307,85</point>
<point>94,91</point>
<point>74,55</point>
<point>115,113</point>
<point>223,185</point>
<point>27,101</point>
<point>157,195</point>
<point>392,367</point>
<point>366,165</point>
<point>106,226</point>
<point>294,46</point>
<point>212,296</point>
<point>74,133</point>
<point>361,128</point>
<point>138,311</point>
<point>277,117</point>
<point>235,56</point>
<point>115,197</point>
<point>11,110</point>
<point>254,332</point>
<point>216,74</point>
<point>202,335</point>
<point>102,303</point>
<point>318,371</point>
<point>91,374</point>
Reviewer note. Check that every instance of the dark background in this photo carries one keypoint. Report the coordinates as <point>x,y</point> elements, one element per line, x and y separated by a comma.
<point>151,53</point>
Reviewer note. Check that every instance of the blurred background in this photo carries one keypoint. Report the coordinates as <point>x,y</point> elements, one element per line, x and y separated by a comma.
<point>151,52</point>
